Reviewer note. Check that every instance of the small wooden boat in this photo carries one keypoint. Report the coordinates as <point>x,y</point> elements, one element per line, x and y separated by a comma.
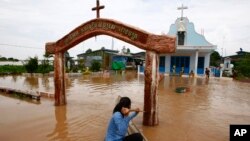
<point>134,129</point>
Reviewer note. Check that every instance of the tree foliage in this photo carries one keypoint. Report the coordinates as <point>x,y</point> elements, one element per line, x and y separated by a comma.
<point>32,65</point>
<point>242,67</point>
<point>128,51</point>
<point>215,59</point>
<point>8,59</point>
<point>95,66</point>
<point>45,67</point>
<point>88,51</point>
<point>81,64</point>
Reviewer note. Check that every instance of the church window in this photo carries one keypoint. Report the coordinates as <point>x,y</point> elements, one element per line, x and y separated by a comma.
<point>181,37</point>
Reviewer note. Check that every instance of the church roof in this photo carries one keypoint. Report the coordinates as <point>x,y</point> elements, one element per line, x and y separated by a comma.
<point>192,38</point>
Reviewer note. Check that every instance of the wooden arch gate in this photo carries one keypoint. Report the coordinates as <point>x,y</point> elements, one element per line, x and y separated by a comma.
<point>153,44</point>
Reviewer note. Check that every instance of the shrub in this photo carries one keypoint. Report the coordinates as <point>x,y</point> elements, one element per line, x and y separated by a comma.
<point>32,65</point>
<point>243,66</point>
<point>95,66</point>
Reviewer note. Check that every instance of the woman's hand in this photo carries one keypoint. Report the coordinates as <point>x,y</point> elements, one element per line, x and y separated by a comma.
<point>137,110</point>
<point>125,111</point>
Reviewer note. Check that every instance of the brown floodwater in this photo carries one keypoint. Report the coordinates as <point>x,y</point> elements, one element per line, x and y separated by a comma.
<point>204,113</point>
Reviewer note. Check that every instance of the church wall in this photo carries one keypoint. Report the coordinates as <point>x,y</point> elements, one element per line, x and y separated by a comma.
<point>192,56</point>
<point>192,64</point>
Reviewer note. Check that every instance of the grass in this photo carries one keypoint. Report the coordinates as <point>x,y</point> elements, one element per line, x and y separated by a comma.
<point>11,69</point>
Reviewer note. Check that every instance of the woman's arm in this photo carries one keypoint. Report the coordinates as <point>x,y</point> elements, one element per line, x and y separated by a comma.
<point>121,123</point>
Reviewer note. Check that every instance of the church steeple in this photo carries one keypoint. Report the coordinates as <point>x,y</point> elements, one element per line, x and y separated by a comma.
<point>182,8</point>
<point>181,31</point>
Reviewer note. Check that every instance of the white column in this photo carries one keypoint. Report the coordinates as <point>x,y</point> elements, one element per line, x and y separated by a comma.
<point>192,60</point>
<point>207,60</point>
<point>138,69</point>
<point>167,64</point>
<point>196,62</point>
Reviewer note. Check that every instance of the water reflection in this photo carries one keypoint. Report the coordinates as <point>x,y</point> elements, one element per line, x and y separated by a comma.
<point>32,82</point>
<point>46,82</point>
<point>69,81</point>
<point>60,131</point>
<point>14,78</point>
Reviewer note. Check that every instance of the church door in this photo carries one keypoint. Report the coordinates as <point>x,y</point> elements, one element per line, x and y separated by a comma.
<point>180,63</point>
<point>200,69</point>
<point>162,64</point>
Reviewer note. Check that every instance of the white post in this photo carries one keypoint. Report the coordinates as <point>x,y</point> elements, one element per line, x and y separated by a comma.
<point>207,60</point>
<point>196,62</point>
<point>221,69</point>
<point>138,69</point>
<point>167,64</point>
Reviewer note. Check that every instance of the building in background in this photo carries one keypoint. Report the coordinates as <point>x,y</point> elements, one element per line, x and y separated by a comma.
<point>229,61</point>
<point>192,52</point>
<point>112,59</point>
<point>104,56</point>
<point>235,58</point>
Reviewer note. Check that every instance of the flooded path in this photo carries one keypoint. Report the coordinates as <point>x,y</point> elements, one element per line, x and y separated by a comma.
<point>204,113</point>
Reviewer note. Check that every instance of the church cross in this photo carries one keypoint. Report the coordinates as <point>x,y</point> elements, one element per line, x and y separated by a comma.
<point>98,8</point>
<point>182,8</point>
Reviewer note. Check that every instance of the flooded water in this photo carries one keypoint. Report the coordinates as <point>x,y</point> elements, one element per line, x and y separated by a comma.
<point>204,113</point>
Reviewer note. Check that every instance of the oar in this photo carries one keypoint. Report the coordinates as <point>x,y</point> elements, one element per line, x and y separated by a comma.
<point>134,110</point>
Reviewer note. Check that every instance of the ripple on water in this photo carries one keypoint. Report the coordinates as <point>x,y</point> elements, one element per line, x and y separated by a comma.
<point>204,113</point>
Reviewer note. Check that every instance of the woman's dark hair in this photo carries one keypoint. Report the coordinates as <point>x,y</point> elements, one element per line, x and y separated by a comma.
<point>124,102</point>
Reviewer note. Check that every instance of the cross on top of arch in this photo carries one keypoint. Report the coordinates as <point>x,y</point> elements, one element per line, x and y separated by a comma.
<point>98,8</point>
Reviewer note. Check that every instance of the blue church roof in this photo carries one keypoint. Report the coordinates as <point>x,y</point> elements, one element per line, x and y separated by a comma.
<point>192,38</point>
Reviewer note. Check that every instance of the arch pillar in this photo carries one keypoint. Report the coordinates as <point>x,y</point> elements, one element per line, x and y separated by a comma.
<point>60,98</point>
<point>150,116</point>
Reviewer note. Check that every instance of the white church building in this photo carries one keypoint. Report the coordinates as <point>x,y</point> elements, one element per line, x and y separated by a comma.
<point>192,52</point>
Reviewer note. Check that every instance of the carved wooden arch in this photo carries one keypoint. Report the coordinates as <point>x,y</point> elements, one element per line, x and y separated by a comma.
<point>129,34</point>
<point>153,44</point>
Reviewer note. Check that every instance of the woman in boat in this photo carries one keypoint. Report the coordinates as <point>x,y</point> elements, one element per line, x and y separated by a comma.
<point>118,124</point>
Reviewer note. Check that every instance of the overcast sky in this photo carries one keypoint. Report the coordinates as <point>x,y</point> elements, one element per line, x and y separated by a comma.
<point>26,25</point>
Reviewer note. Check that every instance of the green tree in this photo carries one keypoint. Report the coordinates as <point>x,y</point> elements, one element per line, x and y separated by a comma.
<point>45,67</point>
<point>242,67</point>
<point>32,65</point>
<point>11,59</point>
<point>95,66</point>
<point>128,51</point>
<point>81,64</point>
<point>8,59</point>
<point>215,59</point>
<point>3,59</point>
<point>88,51</point>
